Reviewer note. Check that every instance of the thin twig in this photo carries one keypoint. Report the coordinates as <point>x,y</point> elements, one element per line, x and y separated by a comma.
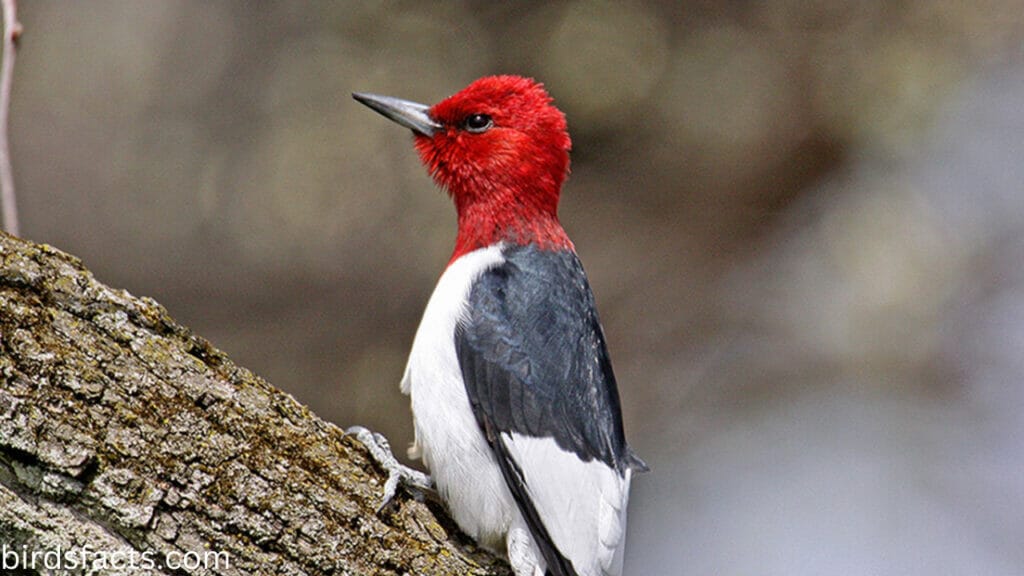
<point>12,30</point>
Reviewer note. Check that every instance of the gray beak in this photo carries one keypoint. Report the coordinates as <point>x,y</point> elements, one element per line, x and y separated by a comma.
<point>409,114</point>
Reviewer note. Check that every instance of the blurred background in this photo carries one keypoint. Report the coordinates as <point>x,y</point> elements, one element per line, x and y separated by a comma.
<point>803,222</point>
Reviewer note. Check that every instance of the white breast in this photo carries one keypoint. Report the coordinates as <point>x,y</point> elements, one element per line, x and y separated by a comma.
<point>447,435</point>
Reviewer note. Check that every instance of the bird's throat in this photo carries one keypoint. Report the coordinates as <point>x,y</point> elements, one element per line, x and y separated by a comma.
<point>483,224</point>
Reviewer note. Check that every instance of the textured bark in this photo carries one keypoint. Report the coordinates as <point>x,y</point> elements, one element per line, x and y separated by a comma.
<point>122,431</point>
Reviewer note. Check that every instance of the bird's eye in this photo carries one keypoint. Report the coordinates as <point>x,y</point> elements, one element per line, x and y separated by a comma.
<point>478,123</point>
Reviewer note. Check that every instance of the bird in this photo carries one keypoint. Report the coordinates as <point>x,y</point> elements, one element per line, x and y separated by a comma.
<point>515,405</point>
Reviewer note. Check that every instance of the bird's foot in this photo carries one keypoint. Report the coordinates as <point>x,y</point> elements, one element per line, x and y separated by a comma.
<point>380,450</point>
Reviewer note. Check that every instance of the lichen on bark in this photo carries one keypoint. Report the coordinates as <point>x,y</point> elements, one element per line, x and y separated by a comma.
<point>122,431</point>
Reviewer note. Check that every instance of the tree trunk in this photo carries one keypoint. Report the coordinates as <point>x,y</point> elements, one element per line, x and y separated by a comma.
<point>129,445</point>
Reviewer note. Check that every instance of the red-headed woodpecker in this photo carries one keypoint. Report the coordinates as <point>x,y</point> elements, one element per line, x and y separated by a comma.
<point>515,405</point>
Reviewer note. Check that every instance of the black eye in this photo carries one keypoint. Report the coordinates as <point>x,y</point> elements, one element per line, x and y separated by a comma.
<point>478,123</point>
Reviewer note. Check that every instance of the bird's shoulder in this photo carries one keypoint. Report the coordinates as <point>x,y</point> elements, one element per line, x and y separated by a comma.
<point>533,355</point>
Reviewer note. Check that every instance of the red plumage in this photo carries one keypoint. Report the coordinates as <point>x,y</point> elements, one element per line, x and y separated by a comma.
<point>505,181</point>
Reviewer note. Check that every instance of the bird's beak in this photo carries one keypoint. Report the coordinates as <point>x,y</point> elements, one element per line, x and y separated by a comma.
<point>409,114</point>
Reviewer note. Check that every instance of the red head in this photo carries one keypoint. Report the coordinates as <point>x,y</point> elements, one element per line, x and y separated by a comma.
<point>501,150</point>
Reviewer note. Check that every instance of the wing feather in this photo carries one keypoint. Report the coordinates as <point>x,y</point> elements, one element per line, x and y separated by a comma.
<point>537,374</point>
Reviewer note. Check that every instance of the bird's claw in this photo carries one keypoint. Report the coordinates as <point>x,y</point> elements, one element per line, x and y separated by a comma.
<point>380,450</point>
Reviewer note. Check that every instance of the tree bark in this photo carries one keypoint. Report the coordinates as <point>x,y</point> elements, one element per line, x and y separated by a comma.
<point>132,446</point>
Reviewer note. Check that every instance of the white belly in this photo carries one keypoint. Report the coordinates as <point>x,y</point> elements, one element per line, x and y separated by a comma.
<point>447,435</point>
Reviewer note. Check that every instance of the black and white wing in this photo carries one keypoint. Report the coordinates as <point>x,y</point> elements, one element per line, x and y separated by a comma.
<point>537,374</point>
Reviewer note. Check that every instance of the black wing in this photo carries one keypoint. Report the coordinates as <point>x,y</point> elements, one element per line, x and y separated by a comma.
<point>534,361</point>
